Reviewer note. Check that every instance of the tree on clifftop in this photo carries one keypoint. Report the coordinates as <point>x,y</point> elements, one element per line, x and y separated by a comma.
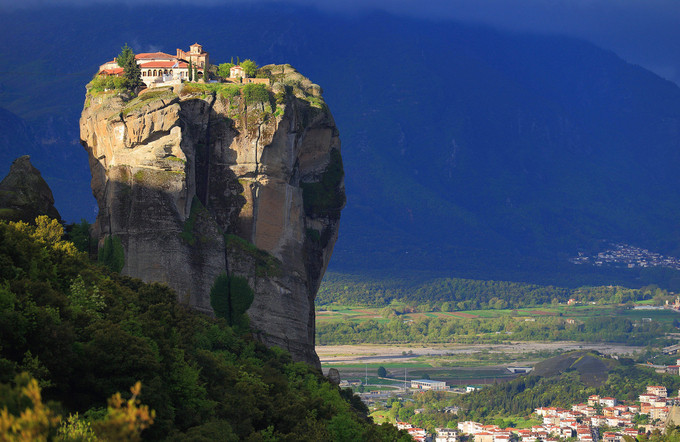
<point>131,72</point>
<point>224,69</point>
<point>249,67</point>
<point>125,54</point>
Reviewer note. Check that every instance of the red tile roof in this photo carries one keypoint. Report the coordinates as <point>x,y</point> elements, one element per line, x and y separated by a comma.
<point>114,71</point>
<point>163,64</point>
<point>146,55</point>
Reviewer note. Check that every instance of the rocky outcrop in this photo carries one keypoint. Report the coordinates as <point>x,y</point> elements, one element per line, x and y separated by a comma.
<point>205,179</point>
<point>24,194</point>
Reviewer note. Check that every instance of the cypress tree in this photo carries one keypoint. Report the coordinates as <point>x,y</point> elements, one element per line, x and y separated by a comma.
<point>191,71</point>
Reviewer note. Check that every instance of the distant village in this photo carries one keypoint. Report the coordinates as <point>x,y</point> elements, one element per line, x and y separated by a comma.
<point>583,422</point>
<point>625,255</point>
<point>161,69</point>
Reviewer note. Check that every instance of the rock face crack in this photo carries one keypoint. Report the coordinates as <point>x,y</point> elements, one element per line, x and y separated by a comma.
<point>190,198</point>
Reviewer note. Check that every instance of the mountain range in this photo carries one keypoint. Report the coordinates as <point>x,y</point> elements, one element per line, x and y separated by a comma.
<point>468,151</point>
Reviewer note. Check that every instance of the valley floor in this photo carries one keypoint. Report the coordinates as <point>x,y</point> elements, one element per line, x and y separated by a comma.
<point>371,354</point>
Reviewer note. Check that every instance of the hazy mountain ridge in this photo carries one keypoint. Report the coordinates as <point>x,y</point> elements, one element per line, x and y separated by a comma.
<point>469,150</point>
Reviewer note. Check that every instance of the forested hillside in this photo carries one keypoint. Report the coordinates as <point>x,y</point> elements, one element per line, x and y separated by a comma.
<point>85,333</point>
<point>567,384</point>
<point>450,294</point>
<point>558,382</point>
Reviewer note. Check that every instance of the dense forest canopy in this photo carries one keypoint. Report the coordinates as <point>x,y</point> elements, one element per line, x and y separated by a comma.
<point>85,332</point>
<point>451,294</point>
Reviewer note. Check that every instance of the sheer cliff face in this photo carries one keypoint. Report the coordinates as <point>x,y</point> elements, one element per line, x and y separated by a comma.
<point>197,182</point>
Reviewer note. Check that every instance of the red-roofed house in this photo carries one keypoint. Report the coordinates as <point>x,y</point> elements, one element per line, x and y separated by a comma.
<point>673,369</point>
<point>632,432</point>
<point>469,427</point>
<point>237,72</point>
<point>608,401</point>
<point>159,68</point>
<point>112,71</point>
<point>598,421</point>
<point>660,413</point>
<point>484,437</point>
<point>415,432</point>
<point>611,437</point>
<point>657,390</point>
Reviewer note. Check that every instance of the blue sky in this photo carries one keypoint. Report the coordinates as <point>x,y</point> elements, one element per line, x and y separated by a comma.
<point>644,32</point>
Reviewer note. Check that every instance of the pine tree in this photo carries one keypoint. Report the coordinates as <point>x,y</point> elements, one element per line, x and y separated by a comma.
<point>125,54</point>
<point>132,73</point>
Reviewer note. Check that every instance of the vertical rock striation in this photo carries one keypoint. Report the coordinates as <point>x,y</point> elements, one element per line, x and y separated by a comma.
<point>206,179</point>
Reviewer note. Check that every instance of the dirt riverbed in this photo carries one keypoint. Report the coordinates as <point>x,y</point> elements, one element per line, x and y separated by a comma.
<point>369,353</point>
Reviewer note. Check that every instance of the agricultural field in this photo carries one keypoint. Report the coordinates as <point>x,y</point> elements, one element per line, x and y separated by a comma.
<point>456,364</point>
<point>339,313</point>
<point>481,357</point>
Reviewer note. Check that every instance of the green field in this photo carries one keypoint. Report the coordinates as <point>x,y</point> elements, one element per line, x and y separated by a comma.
<point>333,313</point>
<point>654,315</point>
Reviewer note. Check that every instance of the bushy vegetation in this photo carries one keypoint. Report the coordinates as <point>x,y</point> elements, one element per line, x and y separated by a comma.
<point>451,294</point>
<point>102,83</point>
<point>490,330</point>
<point>24,416</point>
<point>265,263</point>
<point>511,404</point>
<point>521,396</point>
<point>112,253</point>
<point>223,69</point>
<point>85,333</point>
<point>255,93</point>
<point>324,197</point>
<point>197,210</point>
<point>230,298</point>
<point>129,81</point>
<point>147,98</point>
<point>249,67</point>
